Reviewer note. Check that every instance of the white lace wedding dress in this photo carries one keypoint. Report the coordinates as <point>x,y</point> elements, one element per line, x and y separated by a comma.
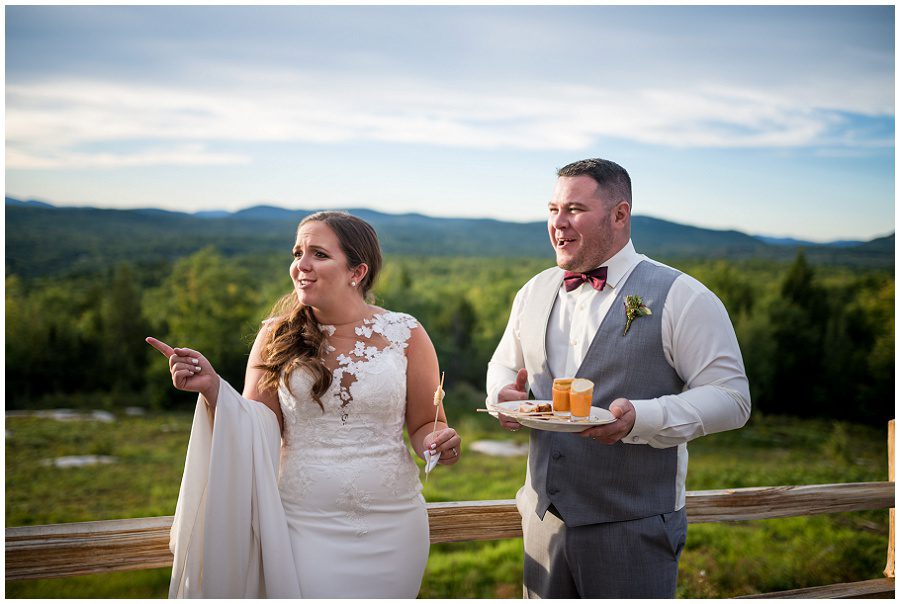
<point>343,518</point>
<point>350,489</point>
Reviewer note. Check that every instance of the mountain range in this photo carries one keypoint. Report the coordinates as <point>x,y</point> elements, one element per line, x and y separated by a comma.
<point>42,239</point>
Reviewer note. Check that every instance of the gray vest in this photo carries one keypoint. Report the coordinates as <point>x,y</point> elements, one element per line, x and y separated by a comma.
<point>589,482</point>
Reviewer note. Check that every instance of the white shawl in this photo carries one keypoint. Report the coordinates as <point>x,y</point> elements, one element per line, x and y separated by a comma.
<point>230,536</point>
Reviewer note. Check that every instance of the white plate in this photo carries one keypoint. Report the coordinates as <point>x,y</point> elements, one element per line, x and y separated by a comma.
<point>556,424</point>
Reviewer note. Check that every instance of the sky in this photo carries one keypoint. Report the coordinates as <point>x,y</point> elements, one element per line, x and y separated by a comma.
<point>775,120</point>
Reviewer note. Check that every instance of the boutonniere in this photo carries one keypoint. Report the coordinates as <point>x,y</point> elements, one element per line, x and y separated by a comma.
<point>634,308</point>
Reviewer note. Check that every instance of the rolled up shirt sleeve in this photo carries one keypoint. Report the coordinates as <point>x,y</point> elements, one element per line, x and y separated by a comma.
<point>700,344</point>
<point>508,358</point>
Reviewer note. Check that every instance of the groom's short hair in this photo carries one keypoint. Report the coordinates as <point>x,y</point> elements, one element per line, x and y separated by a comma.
<point>612,178</point>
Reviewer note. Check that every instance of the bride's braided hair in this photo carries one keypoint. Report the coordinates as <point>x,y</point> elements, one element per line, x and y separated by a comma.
<point>293,337</point>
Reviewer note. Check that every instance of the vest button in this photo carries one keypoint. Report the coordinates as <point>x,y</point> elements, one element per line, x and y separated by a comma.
<point>553,490</point>
<point>556,455</point>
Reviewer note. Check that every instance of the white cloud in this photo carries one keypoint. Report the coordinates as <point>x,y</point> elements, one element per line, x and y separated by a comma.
<point>53,123</point>
<point>175,155</point>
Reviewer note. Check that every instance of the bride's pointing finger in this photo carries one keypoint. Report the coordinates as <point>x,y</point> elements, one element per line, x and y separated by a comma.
<point>161,346</point>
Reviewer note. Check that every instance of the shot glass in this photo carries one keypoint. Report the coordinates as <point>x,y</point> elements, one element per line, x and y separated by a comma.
<point>561,388</point>
<point>580,396</point>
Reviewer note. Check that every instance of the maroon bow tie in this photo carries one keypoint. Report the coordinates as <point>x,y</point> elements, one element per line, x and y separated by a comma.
<point>596,277</point>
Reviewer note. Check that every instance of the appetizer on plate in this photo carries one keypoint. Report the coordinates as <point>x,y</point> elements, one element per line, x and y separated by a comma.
<point>535,408</point>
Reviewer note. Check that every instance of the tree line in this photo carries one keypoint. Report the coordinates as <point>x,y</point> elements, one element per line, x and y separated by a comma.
<point>816,341</point>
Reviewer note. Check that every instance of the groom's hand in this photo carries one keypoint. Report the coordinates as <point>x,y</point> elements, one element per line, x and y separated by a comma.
<point>517,391</point>
<point>513,392</point>
<point>623,411</point>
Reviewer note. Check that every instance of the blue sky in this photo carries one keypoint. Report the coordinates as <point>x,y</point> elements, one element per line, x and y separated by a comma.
<point>768,119</point>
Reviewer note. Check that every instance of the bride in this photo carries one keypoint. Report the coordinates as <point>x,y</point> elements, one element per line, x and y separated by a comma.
<point>303,485</point>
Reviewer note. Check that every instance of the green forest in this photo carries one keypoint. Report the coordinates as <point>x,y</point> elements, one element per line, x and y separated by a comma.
<point>817,340</point>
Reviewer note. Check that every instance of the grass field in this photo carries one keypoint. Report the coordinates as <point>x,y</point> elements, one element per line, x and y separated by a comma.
<point>720,560</point>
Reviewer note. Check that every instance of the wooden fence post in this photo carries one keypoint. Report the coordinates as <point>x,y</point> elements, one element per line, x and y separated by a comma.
<point>889,568</point>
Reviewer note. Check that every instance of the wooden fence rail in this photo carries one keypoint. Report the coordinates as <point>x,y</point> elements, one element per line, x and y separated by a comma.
<point>79,548</point>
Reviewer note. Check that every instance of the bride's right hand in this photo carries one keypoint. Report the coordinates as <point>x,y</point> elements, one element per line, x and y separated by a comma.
<point>190,370</point>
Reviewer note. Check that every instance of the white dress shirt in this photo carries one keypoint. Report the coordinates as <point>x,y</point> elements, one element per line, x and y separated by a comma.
<point>698,342</point>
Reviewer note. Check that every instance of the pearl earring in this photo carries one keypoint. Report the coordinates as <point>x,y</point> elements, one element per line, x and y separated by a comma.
<point>353,283</point>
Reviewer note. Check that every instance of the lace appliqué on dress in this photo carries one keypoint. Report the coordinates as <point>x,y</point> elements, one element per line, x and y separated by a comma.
<point>354,502</point>
<point>394,327</point>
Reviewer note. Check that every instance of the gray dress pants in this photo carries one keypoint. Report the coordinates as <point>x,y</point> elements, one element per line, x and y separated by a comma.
<point>630,559</point>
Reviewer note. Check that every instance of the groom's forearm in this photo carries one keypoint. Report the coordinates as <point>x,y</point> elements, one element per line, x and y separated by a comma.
<point>498,376</point>
<point>674,419</point>
<point>507,358</point>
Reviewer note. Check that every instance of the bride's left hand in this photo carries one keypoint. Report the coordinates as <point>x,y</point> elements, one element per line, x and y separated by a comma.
<point>446,441</point>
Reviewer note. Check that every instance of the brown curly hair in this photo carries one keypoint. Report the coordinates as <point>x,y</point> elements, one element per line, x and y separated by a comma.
<point>293,337</point>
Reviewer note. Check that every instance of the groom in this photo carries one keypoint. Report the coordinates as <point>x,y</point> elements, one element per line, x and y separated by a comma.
<point>603,510</point>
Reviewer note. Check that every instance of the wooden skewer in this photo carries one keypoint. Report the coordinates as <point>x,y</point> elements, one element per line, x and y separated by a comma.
<point>438,399</point>
<point>514,413</point>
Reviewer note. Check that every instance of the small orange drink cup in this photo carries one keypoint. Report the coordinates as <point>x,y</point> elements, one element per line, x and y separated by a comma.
<point>580,396</point>
<point>561,396</point>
